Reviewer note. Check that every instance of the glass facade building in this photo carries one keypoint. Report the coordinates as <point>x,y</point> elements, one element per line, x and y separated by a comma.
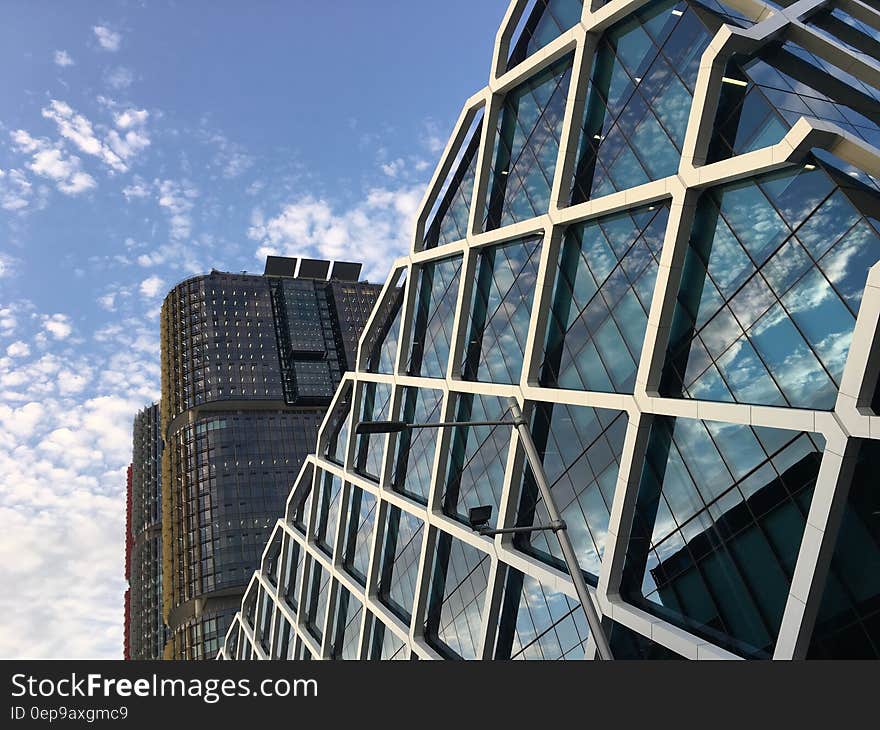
<point>249,366</point>
<point>658,229</point>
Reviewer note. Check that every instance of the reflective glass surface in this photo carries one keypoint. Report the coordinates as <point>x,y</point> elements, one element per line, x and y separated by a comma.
<point>537,623</point>
<point>477,457</point>
<point>543,21</point>
<point>316,600</point>
<point>336,427</point>
<point>450,220</point>
<point>526,147</point>
<point>399,563</point>
<point>639,97</point>
<point>500,308</point>
<point>383,347</point>
<point>848,624</point>
<point>720,514</point>
<point>327,517</point>
<point>358,537</point>
<point>414,449</point>
<point>763,97</point>
<point>604,285</point>
<point>580,451</point>
<point>375,406</point>
<point>383,643</point>
<point>771,288</point>
<point>455,607</point>
<point>293,566</point>
<point>432,325</point>
<point>345,634</point>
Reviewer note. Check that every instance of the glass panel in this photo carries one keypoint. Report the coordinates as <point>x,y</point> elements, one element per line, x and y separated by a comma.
<point>337,427</point>
<point>719,519</point>
<point>628,644</point>
<point>500,309</point>
<point>526,147</point>
<point>458,583</point>
<point>414,449</point>
<point>639,97</point>
<point>763,97</point>
<point>848,624</point>
<point>358,537</point>
<point>281,640</point>
<point>383,346</point>
<point>375,406</point>
<point>449,222</point>
<point>316,601</point>
<point>478,457</point>
<point>771,288</point>
<point>346,626</point>
<point>538,623</point>
<point>433,317</point>
<point>401,550</point>
<point>327,517</point>
<point>580,450</point>
<point>293,566</point>
<point>384,644</point>
<point>602,296</point>
<point>542,22</point>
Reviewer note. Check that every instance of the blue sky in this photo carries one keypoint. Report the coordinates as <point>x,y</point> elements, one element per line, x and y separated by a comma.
<point>142,142</point>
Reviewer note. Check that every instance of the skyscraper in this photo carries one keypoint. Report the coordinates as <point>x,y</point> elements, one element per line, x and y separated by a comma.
<point>657,229</point>
<point>145,631</point>
<point>249,364</point>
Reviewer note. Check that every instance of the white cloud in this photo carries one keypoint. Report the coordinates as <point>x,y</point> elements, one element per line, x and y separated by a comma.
<point>15,190</point>
<point>119,77</point>
<point>177,199</point>
<point>108,39</point>
<point>7,265</point>
<point>62,58</point>
<point>80,132</point>
<point>152,287</point>
<point>18,349</point>
<point>64,170</point>
<point>131,118</point>
<point>57,325</point>
<point>65,439</point>
<point>373,231</point>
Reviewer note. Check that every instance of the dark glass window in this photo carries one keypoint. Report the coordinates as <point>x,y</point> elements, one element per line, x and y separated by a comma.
<point>604,285</point>
<point>386,324</point>
<point>337,427</point>
<point>432,325</point>
<point>763,97</point>
<point>327,517</point>
<point>449,222</point>
<point>272,562</point>
<point>383,643</point>
<point>361,511</point>
<point>293,562</point>
<point>346,626</point>
<point>847,29</point>
<point>543,21</point>
<point>580,450</point>
<point>264,621</point>
<point>316,601</point>
<point>538,623</point>
<point>477,457</point>
<point>771,287</point>
<point>848,623</point>
<point>639,97</point>
<point>628,644</point>
<point>414,449</point>
<point>455,607</point>
<point>401,550</point>
<point>526,147</point>
<point>281,644</point>
<point>501,305</point>
<point>719,518</point>
<point>375,406</point>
